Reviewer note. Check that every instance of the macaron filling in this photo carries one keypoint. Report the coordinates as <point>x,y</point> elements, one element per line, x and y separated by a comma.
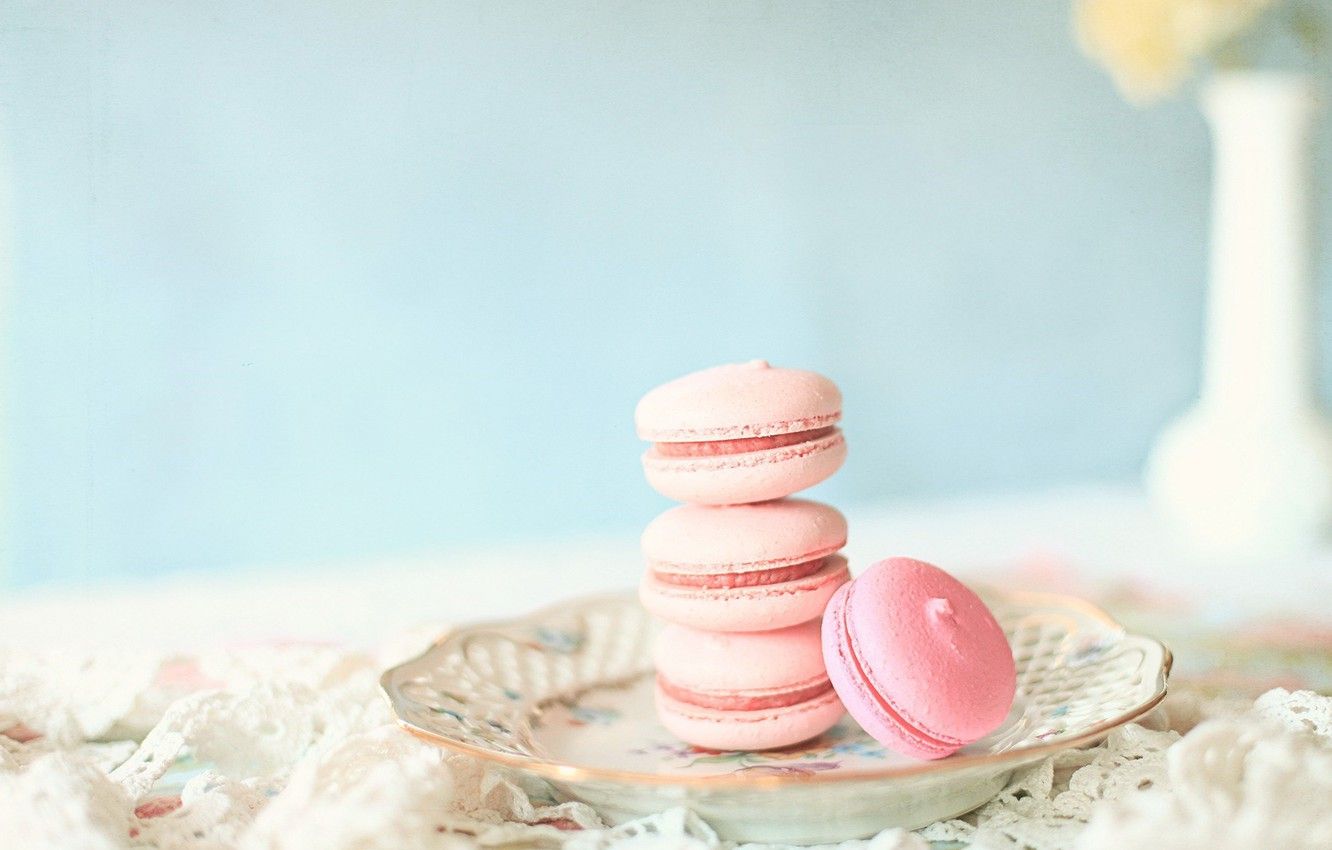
<point>712,448</point>
<point>746,700</point>
<point>752,578</point>
<point>928,739</point>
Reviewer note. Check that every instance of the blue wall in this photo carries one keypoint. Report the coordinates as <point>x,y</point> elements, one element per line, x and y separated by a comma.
<point>329,279</point>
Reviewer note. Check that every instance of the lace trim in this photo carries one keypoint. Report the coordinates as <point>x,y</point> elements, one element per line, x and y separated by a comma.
<point>106,751</point>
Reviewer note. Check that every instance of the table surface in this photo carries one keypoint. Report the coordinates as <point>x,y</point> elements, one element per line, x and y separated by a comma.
<point>1097,541</point>
<point>1231,643</point>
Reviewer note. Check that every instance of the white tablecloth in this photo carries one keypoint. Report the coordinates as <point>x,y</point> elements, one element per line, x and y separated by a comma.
<point>242,711</point>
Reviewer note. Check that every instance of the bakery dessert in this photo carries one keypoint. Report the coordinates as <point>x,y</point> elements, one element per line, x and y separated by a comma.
<point>744,691</point>
<point>742,573</point>
<point>743,567</point>
<point>739,433</point>
<point>918,659</point>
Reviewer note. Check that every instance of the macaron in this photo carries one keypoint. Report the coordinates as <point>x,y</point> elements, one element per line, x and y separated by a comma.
<point>744,691</point>
<point>746,432</point>
<point>918,659</point>
<point>743,568</point>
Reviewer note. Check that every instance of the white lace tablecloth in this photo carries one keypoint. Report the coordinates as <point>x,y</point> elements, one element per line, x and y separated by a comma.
<point>140,740</point>
<point>291,746</point>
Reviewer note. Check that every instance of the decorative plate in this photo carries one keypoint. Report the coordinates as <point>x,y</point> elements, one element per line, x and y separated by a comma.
<point>566,695</point>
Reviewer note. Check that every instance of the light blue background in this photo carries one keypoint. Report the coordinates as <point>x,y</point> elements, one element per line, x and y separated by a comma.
<point>312,280</point>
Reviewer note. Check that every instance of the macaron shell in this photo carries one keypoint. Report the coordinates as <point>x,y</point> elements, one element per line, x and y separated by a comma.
<point>748,476</point>
<point>860,701</point>
<point>743,538</point>
<point>735,401</point>
<point>745,609</point>
<point>918,658</point>
<point>748,730</point>
<point>740,661</point>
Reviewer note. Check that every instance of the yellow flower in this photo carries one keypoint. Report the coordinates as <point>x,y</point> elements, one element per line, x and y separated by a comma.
<point>1150,46</point>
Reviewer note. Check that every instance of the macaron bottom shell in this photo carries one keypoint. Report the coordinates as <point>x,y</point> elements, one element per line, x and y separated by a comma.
<point>749,608</point>
<point>746,477</point>
<point>874,712</point>
<point>762,729</point>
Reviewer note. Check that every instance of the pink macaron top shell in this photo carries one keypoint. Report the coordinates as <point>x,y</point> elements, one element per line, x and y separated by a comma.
<point>738,401</point>
<point>697,539</point>
<point>913,647</point>
<point>726,662</point>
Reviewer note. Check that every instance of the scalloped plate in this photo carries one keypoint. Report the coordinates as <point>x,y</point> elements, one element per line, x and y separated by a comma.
<point>566,695</point>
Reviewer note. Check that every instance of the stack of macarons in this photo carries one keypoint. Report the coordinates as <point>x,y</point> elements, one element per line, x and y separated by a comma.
<point>741,573</point>
<point>768,641</point>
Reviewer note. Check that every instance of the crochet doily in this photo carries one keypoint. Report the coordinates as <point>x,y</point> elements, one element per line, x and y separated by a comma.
<point>292,747</point>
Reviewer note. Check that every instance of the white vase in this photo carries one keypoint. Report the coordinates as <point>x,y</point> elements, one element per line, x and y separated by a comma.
<point>1247,473</point>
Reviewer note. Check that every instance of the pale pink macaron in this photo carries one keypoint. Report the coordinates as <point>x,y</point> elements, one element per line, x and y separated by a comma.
<point>918,659</point>
<point>744,691</point>
<point>743,568</point>
<point>739,433</point>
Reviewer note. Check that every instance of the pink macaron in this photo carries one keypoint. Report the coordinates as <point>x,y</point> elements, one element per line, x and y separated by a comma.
<point>743,568</point>
<point>746,432</point>
<point>744,691</point>
<point>918,659</point>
